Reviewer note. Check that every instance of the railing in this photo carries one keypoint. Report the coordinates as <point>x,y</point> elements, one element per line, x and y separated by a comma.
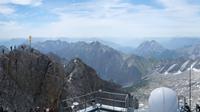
<point>98,100</point>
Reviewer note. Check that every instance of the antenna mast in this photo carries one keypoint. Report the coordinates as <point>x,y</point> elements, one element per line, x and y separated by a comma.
<point>190,88</point>
<point>30,40</point>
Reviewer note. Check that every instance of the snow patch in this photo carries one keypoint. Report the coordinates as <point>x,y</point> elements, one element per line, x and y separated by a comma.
<point>178,72</point>
<point>70,78</point>
<point>194,63</point>
<point>166,73</point>
<point>161,69</point>
<point>75,61</point>
<point>196,70</point>
<point>184,65</point>
<point>171,67</point>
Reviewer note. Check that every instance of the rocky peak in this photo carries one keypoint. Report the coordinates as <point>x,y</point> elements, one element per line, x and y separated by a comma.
<point>95,43</point>
<point>149,49</point>
<point>151,45</point>
<point>83,79</point>
<point>29,79</point>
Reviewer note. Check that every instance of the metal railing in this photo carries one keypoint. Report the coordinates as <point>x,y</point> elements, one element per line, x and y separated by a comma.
<point>97,100</point>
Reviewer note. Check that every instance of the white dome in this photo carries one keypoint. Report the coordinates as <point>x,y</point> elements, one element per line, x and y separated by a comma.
<point>163,100</point>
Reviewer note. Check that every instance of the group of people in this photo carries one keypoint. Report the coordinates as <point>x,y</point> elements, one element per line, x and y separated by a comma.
<point>186,108</point>
<point>12,48</point>
<point>197,108</point>
<point>37,109</point>
<point>4,110</point>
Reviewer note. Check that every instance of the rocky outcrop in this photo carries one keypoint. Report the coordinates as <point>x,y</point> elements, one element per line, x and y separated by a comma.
<point>81,79</point>
<point>29,79</point>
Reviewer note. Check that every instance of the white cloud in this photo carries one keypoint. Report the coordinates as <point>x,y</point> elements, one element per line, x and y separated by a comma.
<point>116,18</point>
<point>11,29</point>
<point>183,7</point>
<point>6,10</point>
<point>22,2</point>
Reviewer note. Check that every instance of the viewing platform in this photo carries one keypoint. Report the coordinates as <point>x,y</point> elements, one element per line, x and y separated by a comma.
<point>100,101</point>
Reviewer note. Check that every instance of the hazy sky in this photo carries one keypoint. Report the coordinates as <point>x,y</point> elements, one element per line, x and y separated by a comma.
<point>122,19</point>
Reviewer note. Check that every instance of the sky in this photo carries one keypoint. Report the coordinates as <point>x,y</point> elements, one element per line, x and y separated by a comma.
<point>114,19</point>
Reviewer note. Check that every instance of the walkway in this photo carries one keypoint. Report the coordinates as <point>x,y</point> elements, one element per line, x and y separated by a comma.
<point>98,100</point>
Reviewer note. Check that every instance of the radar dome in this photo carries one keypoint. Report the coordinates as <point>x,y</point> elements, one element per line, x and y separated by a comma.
<point>163,100</point>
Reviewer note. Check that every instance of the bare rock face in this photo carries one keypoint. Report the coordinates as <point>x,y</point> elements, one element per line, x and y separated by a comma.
<point>29,79</point>
<point>81,79</point>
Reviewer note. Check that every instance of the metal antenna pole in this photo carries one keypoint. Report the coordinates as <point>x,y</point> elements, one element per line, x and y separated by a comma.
<point>30,40</point>
<point>190,87</point>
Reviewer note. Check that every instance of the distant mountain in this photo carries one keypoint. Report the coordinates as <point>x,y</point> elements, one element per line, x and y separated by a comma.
<point>13,42</point>
<point>109,63</point>
<point>149,48</point>
<point>154,50</point>
<point>177,43</point>
<point>189,56</point>
<point>191,51</point>
<point>121,48</point>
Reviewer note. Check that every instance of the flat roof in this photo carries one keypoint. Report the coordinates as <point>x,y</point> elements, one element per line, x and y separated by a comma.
<point>106,108</point>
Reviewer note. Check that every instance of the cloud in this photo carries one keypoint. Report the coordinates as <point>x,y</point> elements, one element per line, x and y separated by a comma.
<point>183,7</point>
<point>11,29</point>
<point>22,2</point>
<point>116,18</point>
<point>119,18</point>
<point>6,9</point>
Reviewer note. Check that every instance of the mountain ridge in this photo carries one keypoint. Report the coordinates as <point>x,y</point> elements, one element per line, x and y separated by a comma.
<point>109,63</point>
<point>29,79</point>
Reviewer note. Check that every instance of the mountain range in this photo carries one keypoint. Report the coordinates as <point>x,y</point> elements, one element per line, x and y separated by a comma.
<point>29,79</point>
<point>110,64</point>
<point>115,64</point>
<point>53,70</point>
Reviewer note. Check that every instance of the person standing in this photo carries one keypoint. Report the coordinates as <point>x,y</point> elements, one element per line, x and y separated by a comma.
<point>15,47</point>
<point>6,110</point>
<point>197,108</point>
<point>187,108</point>
<point>3,51</point>
<point>1,109</point>
<point>11,48</point>
<point>31,110</point>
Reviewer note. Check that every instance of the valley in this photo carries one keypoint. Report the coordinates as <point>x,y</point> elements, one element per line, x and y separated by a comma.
<point>71,64</point>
